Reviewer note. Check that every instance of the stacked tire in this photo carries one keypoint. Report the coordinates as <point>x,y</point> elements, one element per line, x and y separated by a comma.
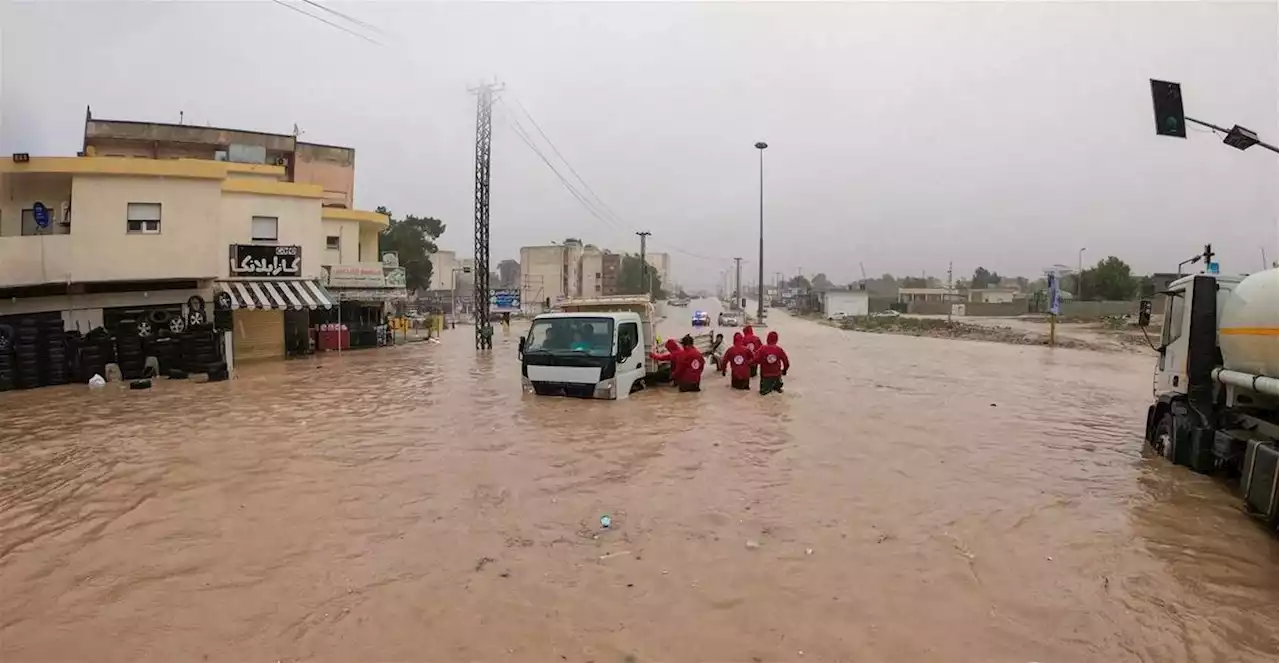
<point>166,350</point>
<point>6,357</point>
<point>96,351</point>
<point>54,352</point>
<point>26,354</point>
<point>199,348</point>
<point>128,349</point>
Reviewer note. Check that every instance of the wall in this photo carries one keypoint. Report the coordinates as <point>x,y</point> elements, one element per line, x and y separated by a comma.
<point>102,250</point>
<point>442,265</point>
<point>22,191</point>
<point>572,270</point>
<point>333,168</point>
<point>1099,310</point>
<point>542,275</point>
<point>349,242</point>
<point>299,223</point>
<point>369,243</point>
<point>847,302</point>
<point>974,309</point>
<point>592,273</point>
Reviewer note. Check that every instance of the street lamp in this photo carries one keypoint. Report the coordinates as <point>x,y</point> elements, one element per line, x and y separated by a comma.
<point>760,263</point>
<point>1080,275</point>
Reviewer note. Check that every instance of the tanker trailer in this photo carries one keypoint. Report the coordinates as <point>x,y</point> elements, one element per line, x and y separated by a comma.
<point>1215,387</point>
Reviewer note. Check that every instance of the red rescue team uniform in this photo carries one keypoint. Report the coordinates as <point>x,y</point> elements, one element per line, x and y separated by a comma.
<point>773,363</point>
<point>691,363</point>
<point>738,360</point>
<point>672,355</point>
<point>752,342</point>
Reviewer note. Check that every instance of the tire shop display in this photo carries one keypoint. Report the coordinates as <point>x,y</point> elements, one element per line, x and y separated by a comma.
<point>6,357</point>
<point>26,354</point>
<point>54,355</point>
<point>129,354</point>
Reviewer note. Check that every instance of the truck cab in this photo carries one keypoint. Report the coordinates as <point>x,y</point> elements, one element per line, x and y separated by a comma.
<point>584,354</point>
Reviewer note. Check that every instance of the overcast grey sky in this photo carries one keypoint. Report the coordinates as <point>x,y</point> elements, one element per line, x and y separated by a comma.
<point>902,135</point>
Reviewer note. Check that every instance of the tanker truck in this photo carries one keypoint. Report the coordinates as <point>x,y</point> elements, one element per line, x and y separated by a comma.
<point>1215,387</point>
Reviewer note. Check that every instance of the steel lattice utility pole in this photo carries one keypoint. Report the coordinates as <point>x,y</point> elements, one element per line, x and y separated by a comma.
<point>644,265</point>
<point>484,138</point>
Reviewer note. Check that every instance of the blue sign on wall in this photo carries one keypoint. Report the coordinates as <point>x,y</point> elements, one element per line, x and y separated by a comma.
<point>504,301</point>
<point>41,214</point>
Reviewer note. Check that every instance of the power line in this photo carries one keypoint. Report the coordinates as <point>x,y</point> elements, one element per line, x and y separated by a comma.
<point>290,7</point>
<point>352,19</point>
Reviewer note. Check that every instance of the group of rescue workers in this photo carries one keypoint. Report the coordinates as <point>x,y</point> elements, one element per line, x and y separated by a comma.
<point>742,361</point>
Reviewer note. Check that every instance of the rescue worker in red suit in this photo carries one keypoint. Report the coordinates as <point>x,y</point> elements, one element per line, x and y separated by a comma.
<point>691,363</point>
<point>773,363</point>
<point>672,355</point>
<point>752,342</point>
<point>738,360</point>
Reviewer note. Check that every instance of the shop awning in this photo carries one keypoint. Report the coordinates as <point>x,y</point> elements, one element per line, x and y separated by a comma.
<point>262,294</point>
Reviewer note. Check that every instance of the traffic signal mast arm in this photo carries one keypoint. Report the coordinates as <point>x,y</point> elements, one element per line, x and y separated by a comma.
<point>1244,137</point>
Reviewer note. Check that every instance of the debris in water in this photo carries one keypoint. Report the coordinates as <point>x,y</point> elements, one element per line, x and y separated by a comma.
<point>615,554</point>
<point>752,544</point>
<point>1049,558</point>
<point>808,551</point>
<point>504,574</point>
<point>606,522</point>
<point>480,563</point>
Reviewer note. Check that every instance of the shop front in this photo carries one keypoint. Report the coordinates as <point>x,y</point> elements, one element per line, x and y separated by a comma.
<point>270,302</point>
<point>368,295</point>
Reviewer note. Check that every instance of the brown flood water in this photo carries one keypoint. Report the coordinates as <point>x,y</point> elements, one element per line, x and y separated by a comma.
<point>907,499</point>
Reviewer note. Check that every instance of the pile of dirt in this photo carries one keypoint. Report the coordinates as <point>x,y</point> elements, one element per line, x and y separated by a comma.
<point>936,328</point>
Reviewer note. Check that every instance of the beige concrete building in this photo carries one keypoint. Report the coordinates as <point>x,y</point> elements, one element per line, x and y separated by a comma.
<point>153,214</point>
<point>661,263</point>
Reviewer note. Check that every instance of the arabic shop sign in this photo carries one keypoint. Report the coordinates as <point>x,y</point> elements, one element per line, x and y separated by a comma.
<point>265,260</point>
<point>364,275</point>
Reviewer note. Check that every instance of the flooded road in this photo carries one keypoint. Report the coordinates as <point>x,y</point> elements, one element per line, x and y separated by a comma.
<point>907,499</point>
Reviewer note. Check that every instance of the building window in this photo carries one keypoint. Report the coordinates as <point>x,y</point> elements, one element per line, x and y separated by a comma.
<point>333,242</point>
<point>265,228</point>
<point>144,218</point>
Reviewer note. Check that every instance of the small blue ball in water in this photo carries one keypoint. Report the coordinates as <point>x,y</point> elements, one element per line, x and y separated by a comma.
<point>606,522</point>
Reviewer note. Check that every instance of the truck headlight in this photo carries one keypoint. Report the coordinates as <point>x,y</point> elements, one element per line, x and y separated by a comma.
<point>606,389</point>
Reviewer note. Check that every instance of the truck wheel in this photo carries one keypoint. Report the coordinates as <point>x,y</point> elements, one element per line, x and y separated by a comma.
<point>1163,440</point>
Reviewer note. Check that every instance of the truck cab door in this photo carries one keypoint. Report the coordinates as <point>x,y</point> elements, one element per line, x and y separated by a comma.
<point>1171,367</point>
<point>630,355</point>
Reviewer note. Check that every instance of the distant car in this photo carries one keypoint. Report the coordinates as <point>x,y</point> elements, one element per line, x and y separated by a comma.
<point>890,313</point>
<point>728,320</point>
<point>701,319</point>
<point>838,315</point>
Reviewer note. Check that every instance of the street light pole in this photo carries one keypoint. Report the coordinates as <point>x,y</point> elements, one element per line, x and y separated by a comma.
<point>760,262</point>
<point>1080,275</point>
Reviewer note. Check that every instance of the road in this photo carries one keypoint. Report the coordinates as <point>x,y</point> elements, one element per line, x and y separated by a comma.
<point>906,499</point>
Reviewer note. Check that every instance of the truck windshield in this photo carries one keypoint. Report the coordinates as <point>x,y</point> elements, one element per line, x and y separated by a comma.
<point>590,336</point>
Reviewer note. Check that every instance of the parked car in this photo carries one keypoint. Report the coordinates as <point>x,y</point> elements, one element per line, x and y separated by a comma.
<point>890,313</point>
<point>701,319</point>
<point>728,320</point>
<point>836,316</point>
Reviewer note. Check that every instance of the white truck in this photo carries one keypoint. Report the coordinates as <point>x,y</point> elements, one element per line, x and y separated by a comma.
<point>594,348</point>
<point>1215,387</point>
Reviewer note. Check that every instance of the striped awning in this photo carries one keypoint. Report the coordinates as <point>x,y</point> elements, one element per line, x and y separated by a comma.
<point>296,295</point>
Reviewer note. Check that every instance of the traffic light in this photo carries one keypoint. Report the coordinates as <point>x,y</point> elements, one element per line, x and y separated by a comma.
<point>1166,98</point>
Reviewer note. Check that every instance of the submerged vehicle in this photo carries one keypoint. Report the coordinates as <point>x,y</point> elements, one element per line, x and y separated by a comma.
<point>1215,385</point>
<point>593,348</point>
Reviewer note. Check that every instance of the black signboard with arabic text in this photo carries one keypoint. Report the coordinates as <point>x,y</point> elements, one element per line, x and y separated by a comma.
<point>265,260</point>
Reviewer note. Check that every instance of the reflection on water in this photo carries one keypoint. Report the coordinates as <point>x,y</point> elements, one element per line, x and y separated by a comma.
<point>907,499</point>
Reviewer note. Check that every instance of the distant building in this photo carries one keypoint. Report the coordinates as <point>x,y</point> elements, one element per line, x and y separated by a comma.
<point>993,295</point>
<point>508,275</point>
<point>611,271</point>
<point>906,295</point>
<point>661,263</point>
<point>848,302</point>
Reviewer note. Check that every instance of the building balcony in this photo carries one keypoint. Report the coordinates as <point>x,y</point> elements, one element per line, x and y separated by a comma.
<point>35,259</point>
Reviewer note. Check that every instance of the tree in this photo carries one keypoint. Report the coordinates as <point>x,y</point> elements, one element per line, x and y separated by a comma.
<point>820,282</point>
<point>1110,279</point>
<point>413,240</point>
<point>798,282</point>
<point>632,276</point>
<point>914,282</point>
<point>984,279</point>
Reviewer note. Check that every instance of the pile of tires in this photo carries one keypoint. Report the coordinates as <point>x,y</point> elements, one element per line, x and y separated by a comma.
<point>97,349</point>
<point>199,348</point>
<point>53,352</point>
<point>165,349</point>
<point>6,357</point>
<point>128,349</point>
<point>26,354</point>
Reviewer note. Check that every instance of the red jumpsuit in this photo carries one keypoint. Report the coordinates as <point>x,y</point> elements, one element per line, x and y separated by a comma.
<point>752,342</point>
<point>672,355</point>
<point>773,362</point>
<point>691,363</point>
<point>738,360</point>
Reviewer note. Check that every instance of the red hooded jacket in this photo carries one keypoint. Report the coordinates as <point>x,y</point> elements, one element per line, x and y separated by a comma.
<point>738,359</point>
<point>771,359</point>
<point>691,363</point>
<point>672,355</point>
<point>750,339</point>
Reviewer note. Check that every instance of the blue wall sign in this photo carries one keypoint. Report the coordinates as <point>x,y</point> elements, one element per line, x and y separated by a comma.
<point>504,301</point>
<point>41,214</point>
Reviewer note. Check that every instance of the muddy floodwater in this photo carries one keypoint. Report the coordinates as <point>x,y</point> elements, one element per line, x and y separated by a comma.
<point>906,499</point>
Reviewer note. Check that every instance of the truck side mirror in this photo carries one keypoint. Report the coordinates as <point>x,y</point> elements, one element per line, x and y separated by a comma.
<point>520,347</point>
<point>1144,313</point>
